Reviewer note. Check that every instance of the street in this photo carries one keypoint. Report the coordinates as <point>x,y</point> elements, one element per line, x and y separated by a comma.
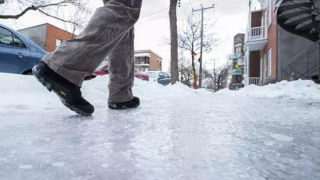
<point>199,136</point>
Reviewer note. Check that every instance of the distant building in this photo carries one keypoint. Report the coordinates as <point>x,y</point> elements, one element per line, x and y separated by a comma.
<point>47,36</point>
<point>147,60</point>
<point>236,68</point>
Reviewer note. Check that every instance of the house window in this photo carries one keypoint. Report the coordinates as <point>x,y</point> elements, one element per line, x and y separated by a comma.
<point>270,12</point>
<point>238,49</point>
<point>270,62</point>
<point>144,69</point>
<point>58,43</point>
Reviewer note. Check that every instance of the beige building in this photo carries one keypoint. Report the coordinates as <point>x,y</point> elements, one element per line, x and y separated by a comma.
<point>147,60</point>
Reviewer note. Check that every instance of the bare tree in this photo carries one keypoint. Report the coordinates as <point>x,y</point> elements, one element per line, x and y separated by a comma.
<point>185,71</point>
<point>40,42</point>
<point>79,14</point>
<point>174,41</point>
<point>218,76</point>
<point>190,40</point>
<point>50,8</point>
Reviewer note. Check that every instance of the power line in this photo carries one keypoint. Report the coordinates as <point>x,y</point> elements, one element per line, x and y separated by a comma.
<point>167,9</point>
<point>217,7</point>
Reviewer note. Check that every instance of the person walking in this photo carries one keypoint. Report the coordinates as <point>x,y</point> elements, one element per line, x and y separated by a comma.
<point>110,32</point>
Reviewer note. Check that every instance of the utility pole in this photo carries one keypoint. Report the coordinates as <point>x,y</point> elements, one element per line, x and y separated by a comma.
<point>202,9</point>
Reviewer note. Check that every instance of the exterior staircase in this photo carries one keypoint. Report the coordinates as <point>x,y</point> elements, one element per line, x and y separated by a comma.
<point>299,17</point>
<point>302,18</point>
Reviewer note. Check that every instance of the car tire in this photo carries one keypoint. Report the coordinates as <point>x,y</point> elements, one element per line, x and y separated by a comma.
<point>88,78</point>
<point>28,73</point>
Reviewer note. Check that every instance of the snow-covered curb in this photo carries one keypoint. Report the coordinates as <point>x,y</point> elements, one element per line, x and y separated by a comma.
<point>300,89</point>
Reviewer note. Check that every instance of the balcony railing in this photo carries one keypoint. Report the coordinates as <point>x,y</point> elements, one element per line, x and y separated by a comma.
<point>255,81</point>
<point>235,56</point>
<point>257,33</point>
<point>236,72</point>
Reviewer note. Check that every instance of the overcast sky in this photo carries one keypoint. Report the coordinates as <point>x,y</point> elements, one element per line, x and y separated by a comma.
<point>231,17</point>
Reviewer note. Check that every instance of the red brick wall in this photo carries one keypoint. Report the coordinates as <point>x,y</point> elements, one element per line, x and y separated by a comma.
<point>155,64</point>
<point>272,43</point>
<point>54,33</point>
<point>254,69</point>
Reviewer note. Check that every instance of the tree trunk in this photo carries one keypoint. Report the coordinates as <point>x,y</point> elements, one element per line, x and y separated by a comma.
<point>174,41</point>
<point>194,71</point>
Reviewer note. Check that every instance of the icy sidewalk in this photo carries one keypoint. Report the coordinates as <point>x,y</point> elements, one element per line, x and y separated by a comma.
<point>177,133</point>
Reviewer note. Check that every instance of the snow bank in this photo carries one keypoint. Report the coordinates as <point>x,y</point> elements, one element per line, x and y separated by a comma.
<point>301,89</point>
<point>24,93</point>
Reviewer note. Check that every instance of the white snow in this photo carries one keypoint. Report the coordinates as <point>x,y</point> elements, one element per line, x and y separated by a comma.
<point>300,89</point>
<point>25,94</point>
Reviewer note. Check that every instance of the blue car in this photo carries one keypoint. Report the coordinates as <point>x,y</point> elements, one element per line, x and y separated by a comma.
<point>159,77</point>
<point>18,54</point>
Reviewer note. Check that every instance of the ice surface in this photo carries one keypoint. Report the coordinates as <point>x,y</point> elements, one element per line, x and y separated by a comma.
<point>177,134</point>
<point>281,137</point>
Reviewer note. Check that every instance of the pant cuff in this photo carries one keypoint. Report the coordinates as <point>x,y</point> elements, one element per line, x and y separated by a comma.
<point>120,99</point>
<point>72,76</point>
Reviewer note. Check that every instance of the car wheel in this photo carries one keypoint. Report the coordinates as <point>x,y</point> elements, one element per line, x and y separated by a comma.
<point>88,78</point>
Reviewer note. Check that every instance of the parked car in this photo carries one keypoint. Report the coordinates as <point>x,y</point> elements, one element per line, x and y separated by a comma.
<point>103,69</point>
<point>159,77</point>
<point>18,54</point>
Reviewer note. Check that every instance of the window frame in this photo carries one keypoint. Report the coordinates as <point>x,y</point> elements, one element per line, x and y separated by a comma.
<point>270,13</point>
<point>265,71</point>
<point>56,47</point>
<point>270,62</point>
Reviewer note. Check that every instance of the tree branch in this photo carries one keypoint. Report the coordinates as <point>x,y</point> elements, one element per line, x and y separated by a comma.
<point>66,21</point>
<point>34,8</point>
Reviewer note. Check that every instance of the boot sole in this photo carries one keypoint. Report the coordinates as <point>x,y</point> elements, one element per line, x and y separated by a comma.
<point>113,106</point>
<point>49,85</point>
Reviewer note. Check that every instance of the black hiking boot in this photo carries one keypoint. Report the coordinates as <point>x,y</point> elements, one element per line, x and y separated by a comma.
<point>135,102</point>
<point>69,93</point>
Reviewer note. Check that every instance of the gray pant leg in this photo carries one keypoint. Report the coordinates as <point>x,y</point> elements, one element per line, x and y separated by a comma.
<point>79,57</point>
<point>121,68</point>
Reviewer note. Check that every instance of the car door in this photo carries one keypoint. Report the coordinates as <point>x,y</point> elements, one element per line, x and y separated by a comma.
<point>14,54</point>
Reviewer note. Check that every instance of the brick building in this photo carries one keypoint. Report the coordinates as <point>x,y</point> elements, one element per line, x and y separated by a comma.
<point>236,68</point>
<point>47,36</point>
<point>147,60</point>
<point>261,41</point>
<point>269,48</point>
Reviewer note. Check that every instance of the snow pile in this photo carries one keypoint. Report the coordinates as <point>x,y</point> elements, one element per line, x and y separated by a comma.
<point>300,89</point>
<point>25,93</point>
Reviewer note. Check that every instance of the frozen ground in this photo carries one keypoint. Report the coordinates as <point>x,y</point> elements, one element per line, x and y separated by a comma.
<point>177,133</point>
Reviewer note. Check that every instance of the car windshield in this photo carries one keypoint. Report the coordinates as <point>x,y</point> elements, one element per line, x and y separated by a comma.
<point>152,74</point>
<point>102,64</point>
